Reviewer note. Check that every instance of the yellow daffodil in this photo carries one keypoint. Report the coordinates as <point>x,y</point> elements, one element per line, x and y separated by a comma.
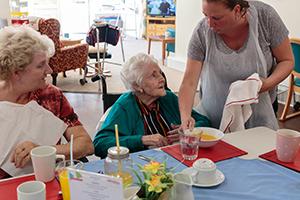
<point>156,179</point>
<point>155,184</point>
<point>152,167</point>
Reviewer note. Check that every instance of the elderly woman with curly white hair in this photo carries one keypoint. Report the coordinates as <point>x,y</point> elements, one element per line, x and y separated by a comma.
<point>24,55</point>
<point>148,115</point>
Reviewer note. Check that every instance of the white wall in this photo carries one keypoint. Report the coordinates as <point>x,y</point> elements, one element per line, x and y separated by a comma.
<point>4,9</point>
<point>289,13</point>
<point>186,19</point>
<point>189,14</point>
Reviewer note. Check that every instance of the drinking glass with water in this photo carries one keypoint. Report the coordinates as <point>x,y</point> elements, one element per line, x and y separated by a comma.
<point>189,145</point>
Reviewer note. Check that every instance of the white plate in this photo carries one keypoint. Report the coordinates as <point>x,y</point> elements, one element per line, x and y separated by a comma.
<point>219,178</point>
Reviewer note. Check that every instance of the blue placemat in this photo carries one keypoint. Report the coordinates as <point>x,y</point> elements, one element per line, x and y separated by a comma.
<point>253,180</point>
<point>160,156</point>
<point>245,179</point>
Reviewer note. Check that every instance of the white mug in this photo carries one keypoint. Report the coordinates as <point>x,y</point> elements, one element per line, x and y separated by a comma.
<point>287,145</point>
<point>43,161</point>
<point>32,190</point>
<point>205,171</point>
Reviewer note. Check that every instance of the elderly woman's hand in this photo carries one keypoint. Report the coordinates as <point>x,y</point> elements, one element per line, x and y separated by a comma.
<point>156,140</point>
<point>21,154</point>
<point>173,135</point>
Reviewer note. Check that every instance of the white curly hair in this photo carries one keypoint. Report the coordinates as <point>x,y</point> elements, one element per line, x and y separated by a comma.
<point>18,44</point>
<point>133,70</point>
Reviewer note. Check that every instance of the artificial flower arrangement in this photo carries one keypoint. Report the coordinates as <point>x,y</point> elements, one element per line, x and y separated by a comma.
<point>156,183</point>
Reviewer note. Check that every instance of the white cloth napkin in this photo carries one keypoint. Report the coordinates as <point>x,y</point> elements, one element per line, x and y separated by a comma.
<point>29,122</point>
<point>237,109</point>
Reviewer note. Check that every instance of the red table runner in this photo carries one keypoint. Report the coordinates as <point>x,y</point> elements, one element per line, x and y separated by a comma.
<point>8,188</point>
<point>218,152</point>
<point>272,156</point>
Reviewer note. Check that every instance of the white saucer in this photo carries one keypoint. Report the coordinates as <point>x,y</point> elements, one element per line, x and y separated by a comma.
<point>219,178</point>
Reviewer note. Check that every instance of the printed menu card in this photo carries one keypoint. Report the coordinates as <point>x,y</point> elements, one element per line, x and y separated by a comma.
<point>92,186</point>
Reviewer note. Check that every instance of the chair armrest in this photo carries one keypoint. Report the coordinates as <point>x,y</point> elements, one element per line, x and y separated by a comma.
<point>70,57</point>
<point>65,43</point>
<point>75,47</point>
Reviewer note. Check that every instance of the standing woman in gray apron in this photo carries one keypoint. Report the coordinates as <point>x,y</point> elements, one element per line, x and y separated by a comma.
<point>235,39</point>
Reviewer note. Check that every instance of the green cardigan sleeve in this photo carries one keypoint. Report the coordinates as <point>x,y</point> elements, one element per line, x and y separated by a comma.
<point>200,120</point>
<point>130,129</point>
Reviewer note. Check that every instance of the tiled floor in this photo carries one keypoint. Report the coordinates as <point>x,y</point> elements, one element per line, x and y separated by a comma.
<point>88,107</point>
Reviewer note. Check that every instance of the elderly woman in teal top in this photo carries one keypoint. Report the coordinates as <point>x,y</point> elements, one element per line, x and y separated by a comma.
<point>148,115</point>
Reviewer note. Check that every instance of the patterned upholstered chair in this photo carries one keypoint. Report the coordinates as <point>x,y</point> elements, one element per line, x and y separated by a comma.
<point>66,57</point>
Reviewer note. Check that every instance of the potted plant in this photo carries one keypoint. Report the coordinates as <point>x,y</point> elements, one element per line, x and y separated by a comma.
<point>156,182</point>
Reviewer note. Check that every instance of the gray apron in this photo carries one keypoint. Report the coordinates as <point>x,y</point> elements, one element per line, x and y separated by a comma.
<point>220,69</point>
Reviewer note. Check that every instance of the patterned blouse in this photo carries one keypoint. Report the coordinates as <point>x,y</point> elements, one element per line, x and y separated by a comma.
<point>52,99</point>
<point>154,122</point>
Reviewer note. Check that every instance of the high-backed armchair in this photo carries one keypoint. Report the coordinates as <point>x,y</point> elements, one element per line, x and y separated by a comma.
<point>66,57</point>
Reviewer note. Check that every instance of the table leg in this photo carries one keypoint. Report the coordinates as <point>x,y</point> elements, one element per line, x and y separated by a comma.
<point>149,45</point>
<point>163,53</point>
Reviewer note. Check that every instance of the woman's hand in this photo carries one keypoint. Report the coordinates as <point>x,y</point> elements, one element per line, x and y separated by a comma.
<point>188,123</point>
<point>21,154</point>
<point>156,140</point>
<point>173,135</point>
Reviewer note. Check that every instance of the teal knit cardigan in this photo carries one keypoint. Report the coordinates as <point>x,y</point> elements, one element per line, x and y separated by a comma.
<point>126,113</point>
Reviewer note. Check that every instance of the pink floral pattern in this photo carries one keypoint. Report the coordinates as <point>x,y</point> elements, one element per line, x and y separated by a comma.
<point>65,58</point>
<point>52,99</point>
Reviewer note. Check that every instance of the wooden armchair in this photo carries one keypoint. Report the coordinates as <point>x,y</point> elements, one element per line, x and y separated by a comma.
<point>66,57</point>
<point>294,85</point>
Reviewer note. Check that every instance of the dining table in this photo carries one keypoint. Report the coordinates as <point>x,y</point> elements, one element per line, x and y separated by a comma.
<point>247,177</point>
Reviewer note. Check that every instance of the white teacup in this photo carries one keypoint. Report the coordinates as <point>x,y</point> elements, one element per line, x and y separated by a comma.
<point>205,171</point>
<point>43,161</point>
<point>32,190</point>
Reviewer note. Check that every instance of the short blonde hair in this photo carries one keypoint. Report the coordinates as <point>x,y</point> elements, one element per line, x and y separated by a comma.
<point>133,70</point>
<point>18,44</point>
